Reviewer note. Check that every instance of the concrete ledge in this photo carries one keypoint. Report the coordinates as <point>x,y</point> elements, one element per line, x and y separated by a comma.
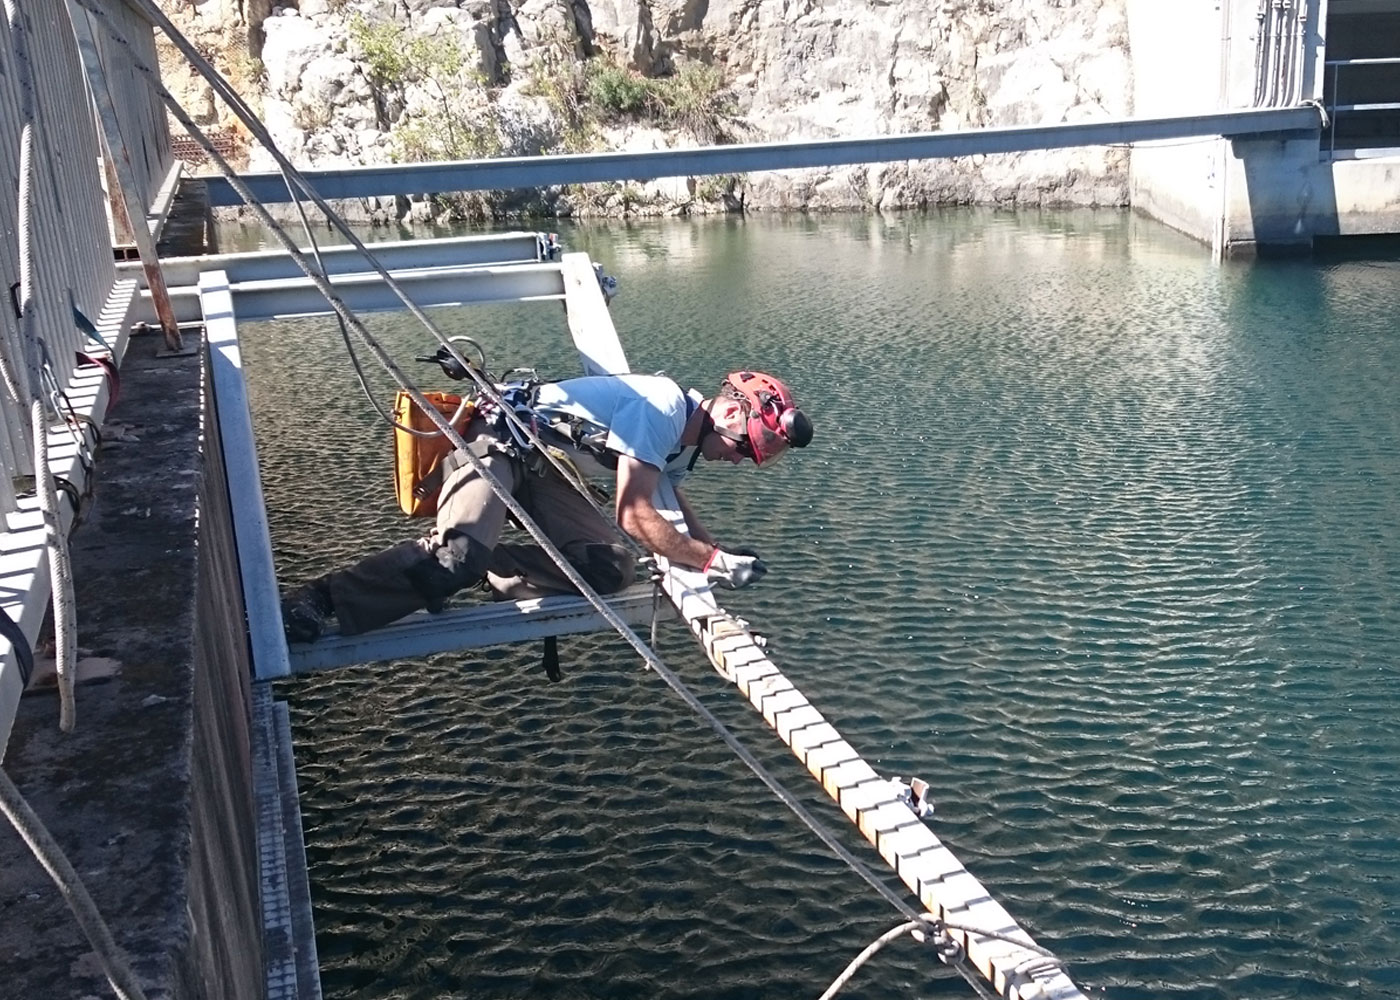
<point>151,797</point>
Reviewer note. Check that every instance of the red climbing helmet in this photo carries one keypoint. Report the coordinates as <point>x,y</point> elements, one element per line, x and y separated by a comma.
<point>773,422</point>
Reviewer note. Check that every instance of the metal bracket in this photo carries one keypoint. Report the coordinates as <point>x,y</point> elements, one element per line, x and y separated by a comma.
<point>914,795</point>
<point>606,283</point>
<point>548,246</point>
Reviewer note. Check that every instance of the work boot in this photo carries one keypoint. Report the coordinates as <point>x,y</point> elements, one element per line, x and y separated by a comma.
<point>305,611</point>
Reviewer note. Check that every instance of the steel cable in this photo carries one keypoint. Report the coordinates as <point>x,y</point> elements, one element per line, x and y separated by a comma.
<point>344,314</point>
<point>483,384</point>
<point>47,852</point>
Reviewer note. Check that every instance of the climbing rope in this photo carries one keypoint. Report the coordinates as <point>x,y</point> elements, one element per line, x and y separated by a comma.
<point>46,850</point>
<point>950,953</point>
<point>60,571</point>
<point>927,924</point>
<point>483,384</point>
<point>927,928</point>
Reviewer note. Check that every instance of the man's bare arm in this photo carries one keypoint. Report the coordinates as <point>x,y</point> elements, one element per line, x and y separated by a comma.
<point>697,529</point>
<point>638,516</point>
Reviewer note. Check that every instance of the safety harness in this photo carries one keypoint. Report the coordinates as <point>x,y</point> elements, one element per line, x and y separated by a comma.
<point>560,428</point>
<point>557,430</point>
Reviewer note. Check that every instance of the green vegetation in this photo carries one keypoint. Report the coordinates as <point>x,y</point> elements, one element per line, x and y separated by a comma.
<point>717,187</point>
<point>693,99</point>
<point>557,77</point>
<point>457,126</point>
<point>391,54</point>
<point>436,107</point>
<point>617,92</point>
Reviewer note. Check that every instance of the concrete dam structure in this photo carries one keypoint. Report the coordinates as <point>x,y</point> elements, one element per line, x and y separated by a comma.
<point>1281,191</point>
<point>1259,125</point>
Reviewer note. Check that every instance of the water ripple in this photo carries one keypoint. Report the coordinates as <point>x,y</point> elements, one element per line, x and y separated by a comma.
<point>1098,537</point>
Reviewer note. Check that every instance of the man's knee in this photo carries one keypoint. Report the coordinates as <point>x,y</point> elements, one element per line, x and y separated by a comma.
<point>459,561</point>
<point>606,568</point>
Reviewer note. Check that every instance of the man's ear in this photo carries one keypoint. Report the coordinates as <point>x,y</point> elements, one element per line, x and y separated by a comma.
<point>729,414</point>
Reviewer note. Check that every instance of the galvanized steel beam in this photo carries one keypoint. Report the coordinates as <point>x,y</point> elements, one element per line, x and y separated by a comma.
<point>367,292</point>
<point>584,168</point>
<point>424,634</point>
<point>587,312</point>
<point>159,210</point>
<point>223,305</point>
<point>252,539</point>
<point>457,251</point>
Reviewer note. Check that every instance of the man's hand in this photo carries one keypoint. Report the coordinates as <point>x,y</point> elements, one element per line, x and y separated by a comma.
<point>734,568</point>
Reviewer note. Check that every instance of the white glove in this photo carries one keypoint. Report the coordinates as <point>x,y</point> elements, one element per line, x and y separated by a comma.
<point>734,569</point>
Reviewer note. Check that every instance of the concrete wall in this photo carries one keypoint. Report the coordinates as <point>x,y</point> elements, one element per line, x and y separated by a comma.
<point>1242,195</point>
<point>1367,196</point>
<point>1176,55</point>
<point>1288,197</point>
<point>225,958</point>
<point>151,798</point>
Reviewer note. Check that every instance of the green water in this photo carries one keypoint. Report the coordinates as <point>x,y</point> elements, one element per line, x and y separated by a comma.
<point>1100,538</point>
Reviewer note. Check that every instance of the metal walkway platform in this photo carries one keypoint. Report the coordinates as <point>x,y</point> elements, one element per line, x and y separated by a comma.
<point>424,634</point>
<point>1005,955</point>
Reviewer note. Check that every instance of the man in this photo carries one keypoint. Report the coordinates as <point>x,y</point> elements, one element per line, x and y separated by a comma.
<point>636,427</point>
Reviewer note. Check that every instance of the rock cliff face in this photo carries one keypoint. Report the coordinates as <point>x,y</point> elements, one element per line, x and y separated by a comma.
<point>363,81</point>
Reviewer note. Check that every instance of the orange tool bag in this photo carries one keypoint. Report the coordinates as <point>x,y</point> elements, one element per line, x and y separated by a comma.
<point>416,459</point>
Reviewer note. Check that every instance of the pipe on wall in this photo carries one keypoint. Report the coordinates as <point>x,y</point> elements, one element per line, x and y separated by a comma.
<point>1300,49</point>
<point>1260,32</point>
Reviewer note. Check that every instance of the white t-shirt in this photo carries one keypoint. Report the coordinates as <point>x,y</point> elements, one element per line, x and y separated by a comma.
<point>644,415</point>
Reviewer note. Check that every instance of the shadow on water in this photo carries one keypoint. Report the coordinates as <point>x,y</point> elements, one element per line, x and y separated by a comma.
<point>1096,536</point>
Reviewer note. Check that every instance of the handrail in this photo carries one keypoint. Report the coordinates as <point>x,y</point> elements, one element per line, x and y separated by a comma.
<point>1387,61</point>
<point>1334,108</point>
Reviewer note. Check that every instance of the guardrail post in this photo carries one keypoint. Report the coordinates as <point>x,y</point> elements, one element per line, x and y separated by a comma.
<point>114,146</point>
<point>1332,113</point>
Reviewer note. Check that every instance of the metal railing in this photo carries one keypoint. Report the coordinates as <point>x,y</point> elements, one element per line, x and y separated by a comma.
<point>1336,110</point>
<point>57,265</point>
<point>70,232</point>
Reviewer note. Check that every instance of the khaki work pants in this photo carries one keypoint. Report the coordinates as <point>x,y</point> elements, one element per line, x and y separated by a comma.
<point>465,544</point>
